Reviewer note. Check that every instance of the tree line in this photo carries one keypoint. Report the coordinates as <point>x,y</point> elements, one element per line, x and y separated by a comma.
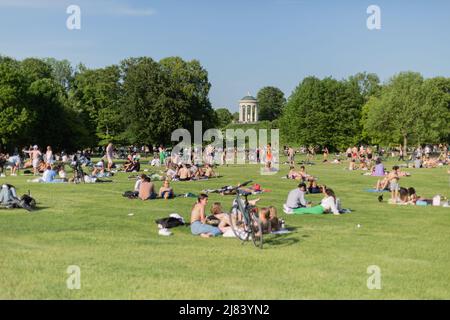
<point>138,101</point>
<point>407,109</point>
<point>141,101</point>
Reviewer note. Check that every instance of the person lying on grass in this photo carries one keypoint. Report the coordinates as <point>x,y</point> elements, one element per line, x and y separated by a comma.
<point>294,174</point>
<point>198,219</point>
<point>327,205</point>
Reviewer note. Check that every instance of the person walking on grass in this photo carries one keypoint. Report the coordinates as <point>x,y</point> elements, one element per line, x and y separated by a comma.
<point>110,155</point>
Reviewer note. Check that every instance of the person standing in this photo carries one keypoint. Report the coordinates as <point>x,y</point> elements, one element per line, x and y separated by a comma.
<point>291,155</point>
<point>110,155</point>
<point>49,156</point>
<point>35,155</point>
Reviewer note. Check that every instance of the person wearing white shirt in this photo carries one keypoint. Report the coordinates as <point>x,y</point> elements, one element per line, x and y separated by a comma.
<point>327,205</point>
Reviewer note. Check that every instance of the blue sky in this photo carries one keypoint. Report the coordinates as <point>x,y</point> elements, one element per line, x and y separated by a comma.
<point>244,44</point>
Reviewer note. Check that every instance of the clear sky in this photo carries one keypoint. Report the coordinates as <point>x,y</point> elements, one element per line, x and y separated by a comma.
<point>244,44</point>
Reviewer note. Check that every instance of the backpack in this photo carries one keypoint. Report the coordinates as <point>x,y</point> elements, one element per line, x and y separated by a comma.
<point>129,195</point>
<point>27,203</point>
<point>169,222</point>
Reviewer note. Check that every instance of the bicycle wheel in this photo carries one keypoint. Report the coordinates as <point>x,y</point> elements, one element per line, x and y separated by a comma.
<point>239,227</point>
<point>257,232</point>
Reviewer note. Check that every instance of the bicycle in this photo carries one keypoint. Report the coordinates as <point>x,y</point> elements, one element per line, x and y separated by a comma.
<point>244,219</point>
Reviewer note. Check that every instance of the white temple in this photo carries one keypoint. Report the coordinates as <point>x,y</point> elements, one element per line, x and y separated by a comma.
<point>248,109</point>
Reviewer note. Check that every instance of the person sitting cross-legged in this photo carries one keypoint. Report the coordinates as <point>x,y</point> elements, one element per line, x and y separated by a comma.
<point>296,199</point>
<point>166,192</point>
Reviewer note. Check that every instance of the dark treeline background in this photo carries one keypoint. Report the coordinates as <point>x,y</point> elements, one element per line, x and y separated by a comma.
<point>141,101</point>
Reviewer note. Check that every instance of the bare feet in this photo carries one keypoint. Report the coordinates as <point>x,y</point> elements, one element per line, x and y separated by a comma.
<point>206,235</point>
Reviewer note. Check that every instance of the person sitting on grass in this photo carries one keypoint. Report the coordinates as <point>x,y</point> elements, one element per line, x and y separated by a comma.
<point>218,213</point>
<point>49,174</point>
<point>62,173</point>
<point>209,171</point>
<point>304,175</point>
<point>99,168</point>
<point>296,198</point>
<point>147,189</point>
<point>183,173</point>
<point>382,184</point>
<point>327,205</point>
<point>378,169</point>
<point>403,196</point>
<point>269,219</point>
<point>198,219</point>
<point>314,188</point>
<point>166,192</point>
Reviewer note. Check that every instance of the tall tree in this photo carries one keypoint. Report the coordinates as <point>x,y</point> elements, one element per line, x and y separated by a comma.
<point>96,93</point>
<point>224,117</point>
<point>323,112</point>
<point>62,71</point>
<point>410,109</point>
<point>271,101</point>
<point>161,97</point>
<point>14,116</point>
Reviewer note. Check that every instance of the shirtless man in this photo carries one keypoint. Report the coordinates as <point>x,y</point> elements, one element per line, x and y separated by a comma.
<point>35,154</point>
<point>198,218</point>
<point>184,174</point>
<point>291,155</point>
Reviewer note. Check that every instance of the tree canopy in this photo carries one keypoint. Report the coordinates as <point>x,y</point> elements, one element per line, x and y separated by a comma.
<point>271,101</point>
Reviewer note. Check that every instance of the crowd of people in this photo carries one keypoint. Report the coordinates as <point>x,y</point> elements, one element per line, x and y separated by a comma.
<point>50,167</point>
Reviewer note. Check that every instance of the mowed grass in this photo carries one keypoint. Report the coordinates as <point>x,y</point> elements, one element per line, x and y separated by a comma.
<point>326,257</point>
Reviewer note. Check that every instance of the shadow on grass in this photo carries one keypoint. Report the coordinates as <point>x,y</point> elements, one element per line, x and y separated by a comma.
<point>282,240</point>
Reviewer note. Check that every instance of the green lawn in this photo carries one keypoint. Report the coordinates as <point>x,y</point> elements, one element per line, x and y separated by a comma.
<point>123,257</point>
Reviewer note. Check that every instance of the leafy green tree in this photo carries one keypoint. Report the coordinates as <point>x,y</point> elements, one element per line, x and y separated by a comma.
<point>368,84</point>
<point>324,113</point>
<point>224,117</point>
<point>161,97</point>
<point>96,94</point>
<point>410,109</point>
<point>61,70</point>
<point>271,101</point>
<point>14,116</point>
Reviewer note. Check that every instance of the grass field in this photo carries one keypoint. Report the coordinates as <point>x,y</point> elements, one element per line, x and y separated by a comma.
<point>326,257</point>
